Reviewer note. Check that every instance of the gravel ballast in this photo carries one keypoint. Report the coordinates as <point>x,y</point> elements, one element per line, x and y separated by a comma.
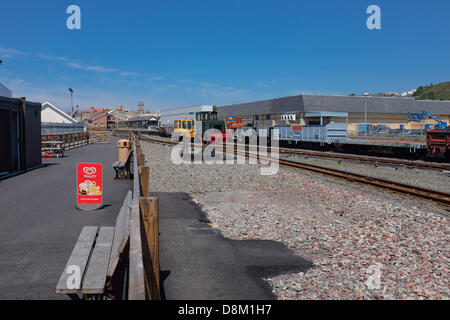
<point>365,243</point>
<point>430,179</point>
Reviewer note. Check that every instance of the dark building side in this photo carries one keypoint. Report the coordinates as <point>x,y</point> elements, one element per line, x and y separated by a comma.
<point>20,135</point>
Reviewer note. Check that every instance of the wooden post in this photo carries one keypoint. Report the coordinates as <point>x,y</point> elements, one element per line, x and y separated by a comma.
<point>144,179</point>
<point>150,246</point>
<point>154,236</point>
<point>141,160</point>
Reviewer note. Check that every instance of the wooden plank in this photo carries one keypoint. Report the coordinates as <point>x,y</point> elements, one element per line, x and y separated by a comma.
<point>141,160</point>
<point>121,234</point>
<point>144,179</point>
<point>95,278</point>
<point>153,237</point>
<point>79,257</point>
<point>116,164</point>
<point>136,286</point>
<point>150,245</point>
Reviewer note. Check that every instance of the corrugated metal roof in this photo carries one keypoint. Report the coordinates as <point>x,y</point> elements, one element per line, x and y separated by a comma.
<point>317,103</point>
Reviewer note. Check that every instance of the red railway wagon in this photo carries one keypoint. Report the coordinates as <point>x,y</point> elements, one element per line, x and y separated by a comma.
<point>438,142</point>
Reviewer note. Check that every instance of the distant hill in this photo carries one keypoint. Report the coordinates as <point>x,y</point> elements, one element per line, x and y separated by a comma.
<point>439,91</point>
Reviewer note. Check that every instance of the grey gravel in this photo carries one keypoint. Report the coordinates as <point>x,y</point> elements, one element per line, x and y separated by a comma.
<point>431,179</point>
<point>346,229</point>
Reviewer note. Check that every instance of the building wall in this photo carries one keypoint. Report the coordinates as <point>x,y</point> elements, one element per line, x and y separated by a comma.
<point>100,122</point>
<point>390,120</point>
<point>167,117</point>
<point>20,138</point>
<point>5,92</point>
<point>391,112</point>
<point>50,115</point>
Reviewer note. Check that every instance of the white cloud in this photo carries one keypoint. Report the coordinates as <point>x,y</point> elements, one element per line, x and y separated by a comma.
<point>53,58</point>
<point>185,81</point>
<point>208,84</point>
<point>72,63</point>
<point>126,73</point>
<point>89,68</point>
<point>263,85</point>
<point>11,52</point>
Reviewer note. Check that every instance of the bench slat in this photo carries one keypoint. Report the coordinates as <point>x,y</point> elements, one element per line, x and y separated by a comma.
<point>95,278</point>
<point>116,164</point>
<point>79,257</point>
<point>121,234</point>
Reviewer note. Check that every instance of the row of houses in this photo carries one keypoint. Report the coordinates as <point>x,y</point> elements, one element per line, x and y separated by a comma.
<point>95,118</point>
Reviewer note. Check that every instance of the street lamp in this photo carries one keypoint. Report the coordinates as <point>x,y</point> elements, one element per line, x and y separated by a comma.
<point>71,99</point>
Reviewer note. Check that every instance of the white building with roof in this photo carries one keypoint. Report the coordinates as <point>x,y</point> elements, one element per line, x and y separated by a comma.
<point>51,113</point>
<point>56,121</point>
<point>5,92</point>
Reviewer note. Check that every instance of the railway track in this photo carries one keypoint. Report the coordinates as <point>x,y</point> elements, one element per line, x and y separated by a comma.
<point>438,197</point>
<point>442,198</point>
<point>374,160</point>
<point>357,158</point>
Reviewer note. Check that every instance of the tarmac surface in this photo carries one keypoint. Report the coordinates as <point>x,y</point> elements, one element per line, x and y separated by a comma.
<point>39,224</point>
<point>198,263</point>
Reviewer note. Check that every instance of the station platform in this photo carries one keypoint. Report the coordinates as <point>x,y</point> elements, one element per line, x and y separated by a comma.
<point>39,224</point>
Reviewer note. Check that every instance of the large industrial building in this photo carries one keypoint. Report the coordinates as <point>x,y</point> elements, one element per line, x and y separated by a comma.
<point>356,111</point>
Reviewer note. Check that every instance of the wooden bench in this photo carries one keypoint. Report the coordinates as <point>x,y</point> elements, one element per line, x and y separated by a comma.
<point>98,264</point>
<point>122,168</point>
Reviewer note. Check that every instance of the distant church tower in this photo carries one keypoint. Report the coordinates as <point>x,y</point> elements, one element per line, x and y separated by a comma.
<point>141,107</point>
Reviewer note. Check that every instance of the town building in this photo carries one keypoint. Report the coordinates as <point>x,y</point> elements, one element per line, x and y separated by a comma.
<point>99,121</point>
<point>357,111</point>
<point>56,121</point>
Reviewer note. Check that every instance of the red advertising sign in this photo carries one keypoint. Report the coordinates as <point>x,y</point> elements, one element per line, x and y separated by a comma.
<point>89,186</point>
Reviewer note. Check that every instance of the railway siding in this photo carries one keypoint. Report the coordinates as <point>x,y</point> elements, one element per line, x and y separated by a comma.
<point>430,179</point>
<point>345,229</point>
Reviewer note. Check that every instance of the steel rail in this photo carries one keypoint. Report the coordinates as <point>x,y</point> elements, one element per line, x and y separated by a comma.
<point>439,197</point>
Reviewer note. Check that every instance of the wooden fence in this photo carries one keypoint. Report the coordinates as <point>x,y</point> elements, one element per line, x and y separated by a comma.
<point>58,143</point>
<point>144,271</point>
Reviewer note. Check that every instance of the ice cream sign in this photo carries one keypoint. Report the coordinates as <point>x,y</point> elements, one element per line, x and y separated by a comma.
<point>89,186</point>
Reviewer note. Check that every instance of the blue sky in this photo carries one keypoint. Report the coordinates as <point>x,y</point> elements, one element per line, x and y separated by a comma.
<point>177,53</point>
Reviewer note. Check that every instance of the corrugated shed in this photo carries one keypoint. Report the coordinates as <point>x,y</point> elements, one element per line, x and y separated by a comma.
<point>354,104</point>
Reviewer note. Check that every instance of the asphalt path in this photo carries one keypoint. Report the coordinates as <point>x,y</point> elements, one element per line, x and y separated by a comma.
<point>197,262</point>
<point>39,224</point>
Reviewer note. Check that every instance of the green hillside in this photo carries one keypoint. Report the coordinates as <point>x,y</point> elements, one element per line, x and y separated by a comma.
<point>439,91</point>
